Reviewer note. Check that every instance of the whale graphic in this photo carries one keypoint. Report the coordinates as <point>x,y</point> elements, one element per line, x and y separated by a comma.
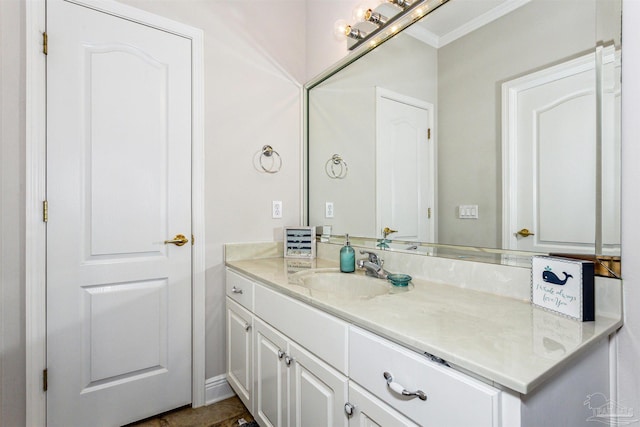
<point>551,277</point>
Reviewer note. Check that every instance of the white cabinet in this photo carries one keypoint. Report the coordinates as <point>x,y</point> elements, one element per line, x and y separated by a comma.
<point>368,411</point>
<point>292,386</point>
<point>270,377</point>
<point>240,351</point>
<point>294,365</point>
<point>317,391</point>
<point>433,392</point>
<point>240,289</point>
<point>322,334</point>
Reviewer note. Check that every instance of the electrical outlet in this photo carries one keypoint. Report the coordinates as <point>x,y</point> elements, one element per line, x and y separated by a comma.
<point>328,210</point>
<point>276,211</point>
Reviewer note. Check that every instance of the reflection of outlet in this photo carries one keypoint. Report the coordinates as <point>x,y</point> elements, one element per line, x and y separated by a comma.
<point>328,210</point>
<point>277,209</point>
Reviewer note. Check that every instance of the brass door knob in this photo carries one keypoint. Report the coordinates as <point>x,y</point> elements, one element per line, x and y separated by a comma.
<point>179,240</point>
<point>386,231</point>
<point>525,233</point>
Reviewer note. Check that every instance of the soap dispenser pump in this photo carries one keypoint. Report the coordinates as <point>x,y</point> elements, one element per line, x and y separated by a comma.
<point>347,257</point>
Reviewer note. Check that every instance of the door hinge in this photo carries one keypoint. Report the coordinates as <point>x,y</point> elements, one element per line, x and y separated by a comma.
<point>45,211</point>
<point>193,240</point>
<point>429,213</point>
<point>45,43</point>
<point>45,380</point>
<point>429,133</point>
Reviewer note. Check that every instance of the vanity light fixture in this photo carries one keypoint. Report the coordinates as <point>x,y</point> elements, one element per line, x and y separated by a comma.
<point>354,33</point>
<point>381,21</point>
<point>375,18</point>
<point>403,4</point>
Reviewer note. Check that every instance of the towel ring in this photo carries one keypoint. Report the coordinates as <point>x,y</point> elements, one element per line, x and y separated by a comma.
<point>268,152</point>
<point>331,167</point>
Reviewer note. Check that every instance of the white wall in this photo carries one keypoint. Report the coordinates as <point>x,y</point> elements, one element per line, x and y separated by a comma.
<point>629,335</point>
<point>254,70</point>
<point>322,47</point>
<point>12,214</point>
<point>469,112</point>
<point>341,111</point>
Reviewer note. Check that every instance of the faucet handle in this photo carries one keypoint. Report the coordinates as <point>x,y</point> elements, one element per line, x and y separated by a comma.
<point>373,257</point>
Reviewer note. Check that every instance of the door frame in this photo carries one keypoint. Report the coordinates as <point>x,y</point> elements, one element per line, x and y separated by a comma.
<point>35,195</point>
<point>431,153</point>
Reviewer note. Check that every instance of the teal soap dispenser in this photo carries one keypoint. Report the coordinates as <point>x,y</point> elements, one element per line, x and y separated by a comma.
<point>347,257</point>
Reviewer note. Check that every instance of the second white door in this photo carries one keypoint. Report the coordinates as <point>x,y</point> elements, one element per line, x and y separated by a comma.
<point>405,184</point>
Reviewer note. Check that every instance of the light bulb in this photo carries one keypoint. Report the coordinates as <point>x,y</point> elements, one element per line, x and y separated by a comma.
<point>360,10</point>
<point>340,29</point>
<point>359,13</point>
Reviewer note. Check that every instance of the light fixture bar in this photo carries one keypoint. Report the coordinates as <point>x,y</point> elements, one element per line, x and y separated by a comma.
<point>403,4</point>
<point>354,33</point>
<point>410,12</point>
<point>375,18</point>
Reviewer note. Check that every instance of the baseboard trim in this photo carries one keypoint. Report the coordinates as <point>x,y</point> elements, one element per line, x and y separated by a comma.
<point>217,389</point>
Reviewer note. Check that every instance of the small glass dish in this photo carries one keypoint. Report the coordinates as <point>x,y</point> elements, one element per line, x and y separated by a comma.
<point>399,279</point>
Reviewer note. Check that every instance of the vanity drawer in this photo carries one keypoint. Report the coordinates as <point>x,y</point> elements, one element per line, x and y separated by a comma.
<point>453,399</point>
<point>240,289</point>
<point>322,334</point>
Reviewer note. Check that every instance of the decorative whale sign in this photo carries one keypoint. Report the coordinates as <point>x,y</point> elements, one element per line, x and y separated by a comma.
<point>563,285</point>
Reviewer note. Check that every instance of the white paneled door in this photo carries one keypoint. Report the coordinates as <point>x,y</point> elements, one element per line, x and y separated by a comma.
<point>118,187</point>
<point>405,167</point>
<point>551,156</point>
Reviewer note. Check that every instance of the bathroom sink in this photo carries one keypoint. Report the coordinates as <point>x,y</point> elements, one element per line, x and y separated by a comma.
<point>331,283</point>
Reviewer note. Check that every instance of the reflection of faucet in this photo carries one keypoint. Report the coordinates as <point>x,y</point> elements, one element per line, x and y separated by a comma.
<point>372,265</point>
<point>384,242</point>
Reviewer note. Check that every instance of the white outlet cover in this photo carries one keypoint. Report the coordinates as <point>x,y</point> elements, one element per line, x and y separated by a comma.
<point>276,209</point>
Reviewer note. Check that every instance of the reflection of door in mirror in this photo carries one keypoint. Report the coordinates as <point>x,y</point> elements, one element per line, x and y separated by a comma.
<point>405,172</point>
<point>550,135</point>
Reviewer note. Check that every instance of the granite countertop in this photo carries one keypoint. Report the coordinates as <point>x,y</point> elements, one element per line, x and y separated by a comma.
<point>506,341</point>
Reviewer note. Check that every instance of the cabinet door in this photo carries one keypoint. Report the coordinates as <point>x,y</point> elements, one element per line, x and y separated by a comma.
<point>239,351</point>
<point>368,411</point>
<point>318,392</point>
<point>270,376</point>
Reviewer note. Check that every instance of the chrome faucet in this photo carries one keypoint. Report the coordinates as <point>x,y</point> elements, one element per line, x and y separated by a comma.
<point>372,265</point>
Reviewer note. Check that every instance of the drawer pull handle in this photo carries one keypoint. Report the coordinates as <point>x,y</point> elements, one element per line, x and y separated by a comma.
<point>236,290</point>
<point>280,354</point>
<point>401,390</point>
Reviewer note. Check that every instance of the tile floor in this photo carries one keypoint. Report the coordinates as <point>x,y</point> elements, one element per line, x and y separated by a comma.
<point>222,414</point>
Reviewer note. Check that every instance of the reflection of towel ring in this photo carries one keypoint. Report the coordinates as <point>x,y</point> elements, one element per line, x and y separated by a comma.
<point>331,167</point>
<point>268,151</point>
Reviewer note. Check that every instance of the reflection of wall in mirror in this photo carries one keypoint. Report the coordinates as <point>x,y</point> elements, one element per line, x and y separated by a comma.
<point>527,39</point>
<point>342,112</point>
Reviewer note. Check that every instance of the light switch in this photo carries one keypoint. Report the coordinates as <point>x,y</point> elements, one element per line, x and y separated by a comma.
<point>468,212</point>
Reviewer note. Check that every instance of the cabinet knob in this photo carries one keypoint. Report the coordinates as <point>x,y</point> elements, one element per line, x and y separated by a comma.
<point>349,409</point>
<point>401,390</point>
<point>288,360</point>
<point>247,326</point>
<point>236,290</point>
<point>280,354</point>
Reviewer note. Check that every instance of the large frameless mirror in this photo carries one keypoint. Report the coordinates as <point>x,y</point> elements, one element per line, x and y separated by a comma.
<point>490,124</point>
